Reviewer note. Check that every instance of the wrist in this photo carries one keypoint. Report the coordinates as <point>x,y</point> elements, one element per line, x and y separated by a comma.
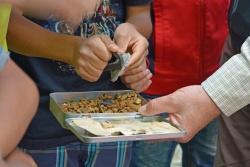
<point>127,27</point>
<point>214,110</point>
<point>63,47</point>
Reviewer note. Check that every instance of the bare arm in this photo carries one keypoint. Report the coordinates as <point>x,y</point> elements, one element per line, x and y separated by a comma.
<point>139,16</point>
<point>138,26</point>
<point>28,38</point>
<point>70,11</point>
<point>18,101</point>
<point>88,56</point>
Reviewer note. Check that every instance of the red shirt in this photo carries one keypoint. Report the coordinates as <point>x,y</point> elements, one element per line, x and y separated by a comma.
<point>188,38</point>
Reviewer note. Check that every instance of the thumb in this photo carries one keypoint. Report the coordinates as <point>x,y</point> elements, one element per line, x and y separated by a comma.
<point>112,47</point>
<point>122,43</point>
<point>159,105</point>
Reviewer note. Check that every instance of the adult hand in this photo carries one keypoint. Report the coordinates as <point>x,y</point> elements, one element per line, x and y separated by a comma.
<point>130,40</point>
<point>189,107</point>
<point>138,79</point>
<point>92,56</point>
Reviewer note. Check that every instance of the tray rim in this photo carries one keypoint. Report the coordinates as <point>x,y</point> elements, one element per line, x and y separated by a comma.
<point>103,139</point>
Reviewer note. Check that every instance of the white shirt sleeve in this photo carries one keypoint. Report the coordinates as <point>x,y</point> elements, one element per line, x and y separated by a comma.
<point>229,86</point>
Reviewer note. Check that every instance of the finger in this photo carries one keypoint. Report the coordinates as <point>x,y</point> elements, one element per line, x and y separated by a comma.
<point>137,77</point>
<point>160,105</point>
<point>85,75</point>
<point>136,70</point>
<point>185,139</point>
<point>139,52</point>
<point>99,49</point>
<point>87,55</point>
<point>173,119</point>
<point>112,47</point>
<point>145,87</point>
<point>122,42</point>
<point>91,70</point>
<point>139,61</point>
<point>139,85</point>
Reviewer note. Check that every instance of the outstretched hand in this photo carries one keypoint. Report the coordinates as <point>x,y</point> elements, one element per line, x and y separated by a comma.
<point>189,107</point>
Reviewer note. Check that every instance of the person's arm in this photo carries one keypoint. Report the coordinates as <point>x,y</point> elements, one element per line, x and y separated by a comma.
<point>72,12</point>
<point>30,39</point>
<point>193,107</point>
<point>131,37</point>
<point>18,101</point>
<point>89,56</point>
<point>229,87</point>
<point>140,18</point>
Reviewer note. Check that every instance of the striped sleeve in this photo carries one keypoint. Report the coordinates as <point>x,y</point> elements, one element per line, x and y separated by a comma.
<point>229,86</point>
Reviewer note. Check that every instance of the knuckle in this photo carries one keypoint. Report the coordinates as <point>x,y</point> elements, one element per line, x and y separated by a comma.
<point>93,79</point>
<point>98,73</point>
<point>141,68</point>
<point>135,86</point>
<point>80,63</point>
<point>83,51</point>
<point>131,86</point>
<point>94,40</point>
<point>126,79</point>
<point>101,36</point>
<point>139,77</point>
<point>121,34</point>
<point>102,65</point>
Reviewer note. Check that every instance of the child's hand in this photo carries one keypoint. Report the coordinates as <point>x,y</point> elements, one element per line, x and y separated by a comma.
<point>138,79</point>
<point>130,40</point>
<point>92,55</point>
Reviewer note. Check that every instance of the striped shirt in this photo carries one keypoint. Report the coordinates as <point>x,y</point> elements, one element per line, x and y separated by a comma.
<point>229,87</point>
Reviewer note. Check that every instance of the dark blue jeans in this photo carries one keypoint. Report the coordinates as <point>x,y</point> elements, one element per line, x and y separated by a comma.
<point>199,152</point>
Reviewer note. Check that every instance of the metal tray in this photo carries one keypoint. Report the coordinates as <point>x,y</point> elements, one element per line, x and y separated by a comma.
<point>86,137</point>
<point>56,99</point>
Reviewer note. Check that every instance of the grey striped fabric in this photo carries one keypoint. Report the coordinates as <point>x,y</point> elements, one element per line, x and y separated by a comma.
<point>114,154</point>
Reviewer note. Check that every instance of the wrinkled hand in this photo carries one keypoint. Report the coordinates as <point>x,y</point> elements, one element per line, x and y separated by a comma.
<point>130,40</point>
<point>138,78</point>
<point>92,56</point>
<point>189,107</point>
